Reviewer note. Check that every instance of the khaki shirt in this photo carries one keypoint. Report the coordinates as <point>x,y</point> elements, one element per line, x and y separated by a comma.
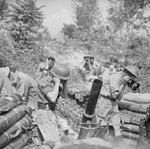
<point>104,105</point>
<point>5,85</point>
<point>111,83</point>
<point>27,87</point>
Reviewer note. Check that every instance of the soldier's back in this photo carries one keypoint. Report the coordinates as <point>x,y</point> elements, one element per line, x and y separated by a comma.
<point>5,85</point>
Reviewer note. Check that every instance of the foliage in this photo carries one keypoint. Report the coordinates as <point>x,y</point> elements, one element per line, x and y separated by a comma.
<point>87,14</point>
<point>27,33</point>
<point>6,46</point>
<point>26,19</point>
<point>126,36</point>
<point>69,30</point>
<point>23,37</point>
<point>138,49</point>
<point>87,20</point>
<point>128,12</point>
<point>130,26</point>
<point>3,9</point>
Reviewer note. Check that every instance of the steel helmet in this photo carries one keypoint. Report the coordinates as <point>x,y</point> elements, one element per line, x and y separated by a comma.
<point>60,71</point>
<point>132,69</point>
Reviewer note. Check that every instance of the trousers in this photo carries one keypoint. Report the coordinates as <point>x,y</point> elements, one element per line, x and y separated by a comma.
<point>47,123</point>
<point>107,112</point>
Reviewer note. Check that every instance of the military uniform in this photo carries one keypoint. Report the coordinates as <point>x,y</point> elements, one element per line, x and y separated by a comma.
<point>107,107</point>
<point>27,87</point>
<point>46,117</point>
<point>35,96</point>
<point>5,85</point>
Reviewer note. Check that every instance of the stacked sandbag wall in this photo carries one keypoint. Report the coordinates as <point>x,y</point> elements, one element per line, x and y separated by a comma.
<point>133,120</point>
<point>15,120</point>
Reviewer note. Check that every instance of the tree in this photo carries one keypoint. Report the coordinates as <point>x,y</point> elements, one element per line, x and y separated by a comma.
<point>127,13</point>
<point>87,14</point>
<point>26,19</point>
<point>117,15</point>
<point>24,25</point>
<point>129,22</point>
<point>127,18</point>
<point>87,20</point>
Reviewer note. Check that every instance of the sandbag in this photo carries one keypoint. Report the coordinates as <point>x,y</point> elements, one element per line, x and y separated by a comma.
<point>9,102</point>
<point>134,114</point>
<point>141,98</point>
<point>14,131</point>
<point>130,135</point>
<point>6,121</point>
<point>138,108</point>
<point>131,128</point>
<point>20,141</point>
<point>130,120</point>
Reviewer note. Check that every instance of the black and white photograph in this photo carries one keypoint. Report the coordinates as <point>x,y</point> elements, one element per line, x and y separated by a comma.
<point>74,74</point>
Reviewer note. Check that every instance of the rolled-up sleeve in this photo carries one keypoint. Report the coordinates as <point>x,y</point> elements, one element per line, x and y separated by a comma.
<point>46,85</point>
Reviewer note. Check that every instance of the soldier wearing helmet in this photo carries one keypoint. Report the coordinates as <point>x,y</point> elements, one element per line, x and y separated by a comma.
<point>131,76</point>
<point>51,86</point>
<point>132,71</point>
<point>111,92</point>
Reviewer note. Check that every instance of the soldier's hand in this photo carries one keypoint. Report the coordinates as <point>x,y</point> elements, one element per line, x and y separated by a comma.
<point>57,81</point>
<point>115,94</point>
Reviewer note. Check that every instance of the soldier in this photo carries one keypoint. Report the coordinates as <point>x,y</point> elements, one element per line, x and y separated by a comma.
<point>112,90</point>
<point>88,68</point>
<point>51,86</point>
<point>26,86</point>
<point>51,62</point>
<point>93,63</point>
<point>45,66</point>
<point>42,97</point>
<point>5,85</point>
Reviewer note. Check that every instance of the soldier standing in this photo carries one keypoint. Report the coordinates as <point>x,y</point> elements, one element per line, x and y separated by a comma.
<point>112,90</point>
<point>51,86</point>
